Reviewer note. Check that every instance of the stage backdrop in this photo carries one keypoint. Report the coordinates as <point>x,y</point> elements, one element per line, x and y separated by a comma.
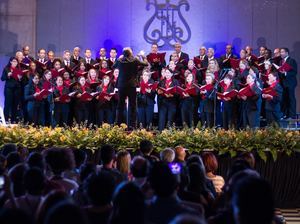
<point>62,24</point>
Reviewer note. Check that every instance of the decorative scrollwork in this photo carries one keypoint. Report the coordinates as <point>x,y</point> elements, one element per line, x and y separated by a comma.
<point>164,24</point>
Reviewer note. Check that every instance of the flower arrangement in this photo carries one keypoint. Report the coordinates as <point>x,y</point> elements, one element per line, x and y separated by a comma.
<point>274,140</point>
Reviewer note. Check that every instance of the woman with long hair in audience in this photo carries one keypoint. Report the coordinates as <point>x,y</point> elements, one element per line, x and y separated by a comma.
<point>123,164</point>
<point>211,165</point>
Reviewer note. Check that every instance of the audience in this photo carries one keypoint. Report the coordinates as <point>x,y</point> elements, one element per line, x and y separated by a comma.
<point>167,155</point>
<point>60,186</point>
<point>211,166</point>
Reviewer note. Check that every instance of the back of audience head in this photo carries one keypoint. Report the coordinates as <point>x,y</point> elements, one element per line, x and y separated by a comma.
<point>99,188</point>
<point>108,154</point>
<point>180,153</point>
<point>146,147</point>
<point>59,160</point>
<point>34,181</point>
<point>123,162</point>
<point>139,167</point>
<point>65,212</point>
<point>237,166</point>
<point>195,159</point>
<point>197,178</point>
<point>50,200</point>
<point>12,159</point>
<point>210,162</point>
<point>15,216</point>
<point>85,170</point>
<point>249,157</point>
<point>162,180</point>
<point>167,155</point>
<point>35,159</point>
<point>187,219</point>
<point>80,157</point>
<point>8,148</point>
<point>16,175</point>
<point>128,204</point>
<point>253,201</point>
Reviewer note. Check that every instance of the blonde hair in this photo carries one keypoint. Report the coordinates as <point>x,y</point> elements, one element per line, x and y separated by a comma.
<point>123,162</point>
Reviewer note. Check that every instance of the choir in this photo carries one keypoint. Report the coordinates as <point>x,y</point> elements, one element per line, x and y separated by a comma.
<point>230,92</point>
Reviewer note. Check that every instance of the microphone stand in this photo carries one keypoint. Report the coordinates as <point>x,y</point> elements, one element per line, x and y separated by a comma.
<point>52,102</point>
<point>213,92</point>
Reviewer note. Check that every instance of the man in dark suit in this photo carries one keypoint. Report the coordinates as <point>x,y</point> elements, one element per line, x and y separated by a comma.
<point>224,60</point>
<point>88,57</point>
<point>127,82</point>
<point>27,58</point>
<point>203,57</point>
<point>68,64</point>
<point>183,57</point>
<point>288,80</point>
<point>41,62</point>
<point>75,58</point>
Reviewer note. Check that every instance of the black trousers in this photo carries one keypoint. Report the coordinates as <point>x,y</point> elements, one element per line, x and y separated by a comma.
<point>129,92</point>
<point>288,106</point>
<point>11,103</point>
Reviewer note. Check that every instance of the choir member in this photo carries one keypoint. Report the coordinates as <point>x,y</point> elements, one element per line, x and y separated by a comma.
<point>251,58</point>
<point>41,61</point>
<point>272,106</point>
<point>177,67</point>
<point>227,102</point>
<point>57,68</point>
<point>225,59</point>
<point>82,104</point>
<point>208,99</point>
<point>48,85</point>
<point>50,57</point>
<point>112,57</point>
<point>104,70</point>
<point>32,71</point>
<point>210,54</point>
<point>82,70</point>
<point>183,57</point>
<point>289,82</point>
<point>157,61</point>
<point>243,54</point>
<point>203,57</point>
<point>146,100</point>
<point>193,70</point>
<point>75,58</point>
<point>213,67</point>
<point>104,101</point>
<point>187,102</point>
<point>264,76</point>
<point>262,51</point>
<point>116,96</point>
<point>61,103</point>
<point>167,101</point>
<point>88,57</point>
<point>67,81</point>
<point>102,55</point>
<point>12,89</point>
<point>35,103</point>
<point>252,103</point>
<point>277,52</point>
<point>93,80</point>
<point>67,63</point>
<point>242,72</point>
<point>27,58</point>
